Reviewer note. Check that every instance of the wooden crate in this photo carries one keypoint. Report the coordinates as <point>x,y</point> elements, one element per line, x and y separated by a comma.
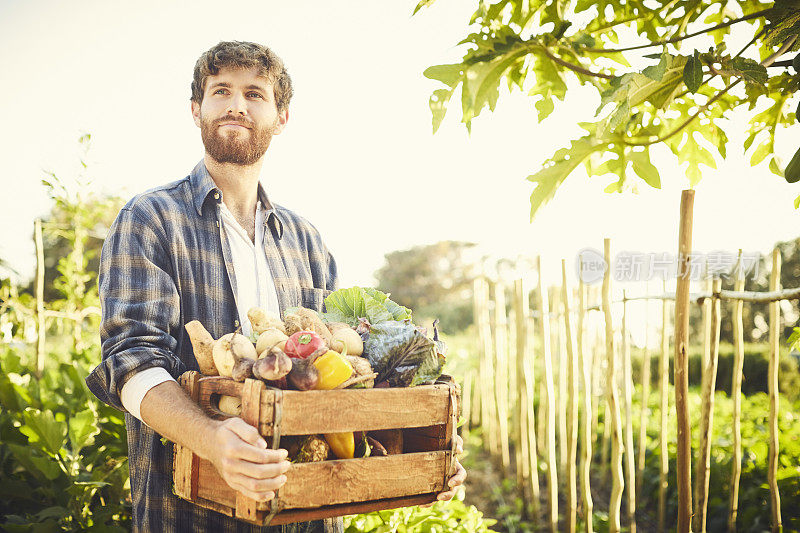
<point>426,415</point>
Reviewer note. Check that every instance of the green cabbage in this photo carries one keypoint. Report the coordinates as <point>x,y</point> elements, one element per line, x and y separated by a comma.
<point>348,305</point>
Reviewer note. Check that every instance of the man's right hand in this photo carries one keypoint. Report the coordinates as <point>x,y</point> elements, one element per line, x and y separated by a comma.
<point>234,447</point>
<point>242,458</point>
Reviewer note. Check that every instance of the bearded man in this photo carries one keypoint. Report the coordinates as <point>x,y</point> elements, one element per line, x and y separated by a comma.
<point>207,247</point>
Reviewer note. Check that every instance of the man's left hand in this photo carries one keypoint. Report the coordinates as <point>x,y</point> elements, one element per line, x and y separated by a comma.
<point>457,479</point>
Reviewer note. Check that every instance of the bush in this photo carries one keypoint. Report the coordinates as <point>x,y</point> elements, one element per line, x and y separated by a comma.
<point>755,368</point>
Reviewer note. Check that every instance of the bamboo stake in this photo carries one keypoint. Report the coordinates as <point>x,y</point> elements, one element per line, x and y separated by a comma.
<point>488,407</point>
<point>528,463</point>
<point>630,460</point>
<point>478,406</point>
<point>663,386</point>
<point>541,431</point>
<point>617,483</point>
<point>774,399</point>
<point>550,426</point>
<point>562,387</point>
<point>572,409</point>
<point>501,375</point>
<point>466,405</point>
<point>645,410</point>
<point>736,396</point>
<point>684,455</point>
<point>707,415</point>
<point>585,437</point>
<point>41,325</point>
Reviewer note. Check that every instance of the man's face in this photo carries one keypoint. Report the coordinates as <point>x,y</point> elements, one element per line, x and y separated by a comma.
<point>238,116</point>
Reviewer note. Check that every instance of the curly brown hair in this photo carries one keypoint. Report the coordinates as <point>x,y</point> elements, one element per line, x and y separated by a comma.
<point>245,55</point>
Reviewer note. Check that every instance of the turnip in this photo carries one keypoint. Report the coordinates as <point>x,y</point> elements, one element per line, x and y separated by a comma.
<point>272,365</point>
<point>345,339</point>
<point>229,350</point>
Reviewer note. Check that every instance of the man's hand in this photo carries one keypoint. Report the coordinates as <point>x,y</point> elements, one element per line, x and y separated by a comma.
<point>244,462</point>
<point>234,447</point>
<point>456,480</point>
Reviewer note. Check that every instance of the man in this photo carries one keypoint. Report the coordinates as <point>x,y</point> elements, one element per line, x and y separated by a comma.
<point>208,247</point>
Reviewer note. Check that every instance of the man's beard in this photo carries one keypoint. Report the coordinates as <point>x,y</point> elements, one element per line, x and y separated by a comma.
<point>228,148</point>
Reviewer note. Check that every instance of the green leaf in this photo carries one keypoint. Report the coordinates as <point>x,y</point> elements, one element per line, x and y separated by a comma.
<point>35,463</point>
<point>693,72</point>
<point>438,105</point>
<point>644,168</point>
<point>422,3</point>
<point>656,72</point>
<point>450,74</point>
<point>561,165</point>
<point>82,429</point>
<point>763,150</point>
<point>750,70</point>
<point>42,427</point>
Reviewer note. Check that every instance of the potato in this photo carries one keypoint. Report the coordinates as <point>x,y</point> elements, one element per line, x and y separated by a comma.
<point>307,320</point>
<point>230,405</point>
<point>261,320</point>
<point>269,338</point>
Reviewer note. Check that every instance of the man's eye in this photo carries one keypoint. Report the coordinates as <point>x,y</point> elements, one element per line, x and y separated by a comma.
<point>256,95</point>
<point>218,91</point>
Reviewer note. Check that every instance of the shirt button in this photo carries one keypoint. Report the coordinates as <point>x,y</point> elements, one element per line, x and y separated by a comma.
<point>216,196</point>
<point>236,323</point>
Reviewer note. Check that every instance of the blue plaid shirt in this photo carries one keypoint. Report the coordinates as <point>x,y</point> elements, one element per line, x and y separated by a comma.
<point>165,263</point>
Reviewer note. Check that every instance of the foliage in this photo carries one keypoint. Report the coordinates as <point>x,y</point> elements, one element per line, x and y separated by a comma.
<point>442,517</point>
<point>754,370</point>
<point>754,506</point>
<point>680,100</point>
<point>434,280</point>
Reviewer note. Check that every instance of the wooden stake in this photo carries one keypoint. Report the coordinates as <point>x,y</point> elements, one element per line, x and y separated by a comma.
<point>736,396</point>
<point>528,463</point>
<point>550,422</point>
<point>41,324</point>
<point>466,406</point>
<point>645,410</point>
<point>630,460</point>
<point>562,386</point>
<point>681,358</point>
<point>488,407</point>
<point>707,414</point>
<point>585,437</point>
<point>663,387</point>
<point>774,398</point>
<point>501,375</point>
<point>572,409</point>
<point>617,483</point>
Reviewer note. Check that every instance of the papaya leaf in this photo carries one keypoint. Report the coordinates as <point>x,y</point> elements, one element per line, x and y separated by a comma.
<point>561,165</point>
<point>438,104</point>
<point>450,74</point>
<point>645,169</point>
<point>42,427</point>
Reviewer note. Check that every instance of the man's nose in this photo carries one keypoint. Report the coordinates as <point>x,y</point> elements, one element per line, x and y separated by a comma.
<point>237,104</point>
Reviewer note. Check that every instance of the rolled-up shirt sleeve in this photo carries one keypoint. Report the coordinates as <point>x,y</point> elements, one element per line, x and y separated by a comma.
<point>140,306</point>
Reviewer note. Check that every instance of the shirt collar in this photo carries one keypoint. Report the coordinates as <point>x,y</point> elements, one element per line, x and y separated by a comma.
<point>202,185</point>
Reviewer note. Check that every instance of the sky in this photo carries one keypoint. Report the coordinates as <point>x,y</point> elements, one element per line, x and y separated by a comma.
<point>358,158</point>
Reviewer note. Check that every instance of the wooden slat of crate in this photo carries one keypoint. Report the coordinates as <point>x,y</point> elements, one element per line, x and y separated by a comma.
<point>337,411</point>
<point>335,482</point>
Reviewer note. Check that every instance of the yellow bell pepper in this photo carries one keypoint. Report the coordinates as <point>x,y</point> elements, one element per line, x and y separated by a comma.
<point>333,370</point>
<point>343,445</point>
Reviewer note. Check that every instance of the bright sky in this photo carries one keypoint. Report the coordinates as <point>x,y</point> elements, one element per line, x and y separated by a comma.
<point>358,158</point>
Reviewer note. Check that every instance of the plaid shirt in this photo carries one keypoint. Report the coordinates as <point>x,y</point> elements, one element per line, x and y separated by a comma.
<point>165,263</point>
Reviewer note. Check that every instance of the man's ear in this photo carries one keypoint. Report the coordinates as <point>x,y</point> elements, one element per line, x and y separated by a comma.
<point>283,118</point>
<point>196,113</point>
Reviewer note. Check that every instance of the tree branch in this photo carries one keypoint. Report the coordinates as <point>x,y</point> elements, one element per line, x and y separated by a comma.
<point>751,16</point>
<point>766,63</point>
<point>572,66</point>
